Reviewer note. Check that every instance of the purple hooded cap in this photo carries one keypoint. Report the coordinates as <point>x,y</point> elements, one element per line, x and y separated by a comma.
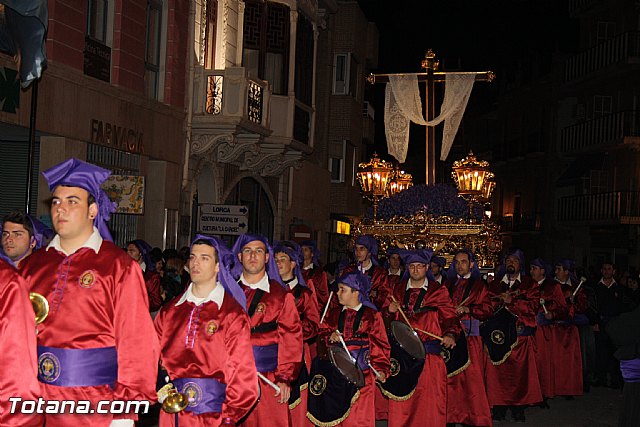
<point>314,249</point>
<point>145,251</point>
<point>76,173</point>
<point>452,274</point>
<point>371,244</point>
<point>226,261</point>
<point>361,283</point>
<point>540,263</point>
<point>271,267</point>
<point>41,232</point>
<point>422,256</point>
<point>294,252</point>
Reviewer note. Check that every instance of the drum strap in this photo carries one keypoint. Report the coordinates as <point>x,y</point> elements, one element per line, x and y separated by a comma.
<point>254,302</point>
<point>297,293</point>
<point>356,322</point>
<point>264,327</point>
<point>416,306</point>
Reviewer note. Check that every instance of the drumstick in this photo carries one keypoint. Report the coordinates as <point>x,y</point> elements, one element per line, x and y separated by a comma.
<point>466,300</point>
<point>582,280</point>
<point>430,334</point>
<point>269,382</point>
<point>326,307</point>
<point>344,344</point>
<point>410,325</point>
<point>377,374</point>
<point>544,306</point>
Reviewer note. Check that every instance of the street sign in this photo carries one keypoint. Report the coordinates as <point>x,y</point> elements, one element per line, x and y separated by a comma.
<point>223,219</point>
<point>224,209</point>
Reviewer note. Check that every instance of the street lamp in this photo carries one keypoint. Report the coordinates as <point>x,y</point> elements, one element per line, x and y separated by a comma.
<point>374,177</point>
<point>400,182</point>
<point>472,177</point>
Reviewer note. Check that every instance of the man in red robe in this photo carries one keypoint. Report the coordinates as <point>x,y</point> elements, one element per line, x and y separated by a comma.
<point>276,331</point>
<point>313,273</point>
<point>466,392</point>
<point>514,383</point>
<point>288,259</point>
<point>18,355</point>
<point>98,341</point>
<point>366,254</point>
<point>361,327</point>
<point>22,234</point>
<point>205,342</point>
<point>568,367</point>
<point>140,251</point>
<point>428,307</point>
<point>553,308</point>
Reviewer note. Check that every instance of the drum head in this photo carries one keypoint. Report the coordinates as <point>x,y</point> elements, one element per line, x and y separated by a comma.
<point>347,367</point>
<point>408,339</point>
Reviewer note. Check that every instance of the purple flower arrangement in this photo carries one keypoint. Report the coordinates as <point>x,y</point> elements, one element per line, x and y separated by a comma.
<point>436,200</point>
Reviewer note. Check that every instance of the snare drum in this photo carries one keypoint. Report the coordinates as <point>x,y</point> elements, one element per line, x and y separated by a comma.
<point>407,361</point>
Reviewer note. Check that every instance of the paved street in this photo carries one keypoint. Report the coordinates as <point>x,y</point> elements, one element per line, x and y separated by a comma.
<point>599,408</point>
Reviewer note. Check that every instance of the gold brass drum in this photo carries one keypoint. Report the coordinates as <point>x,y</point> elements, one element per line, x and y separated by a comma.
<point>40,306</point>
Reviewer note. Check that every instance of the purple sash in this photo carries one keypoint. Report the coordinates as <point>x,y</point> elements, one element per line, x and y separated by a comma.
<point>77,367</point>
<point>204,394</point>
<point>362,357</point>
<point>432,346</point>
<point>580,319</point>
<point>543,321</point>
<point>266,357</point>
<point>630,370</point>
<point>472,327</point>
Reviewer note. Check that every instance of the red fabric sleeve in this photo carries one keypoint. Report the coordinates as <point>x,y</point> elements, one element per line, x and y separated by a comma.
<point>526,303</point>
<point>308,309</point>
<point>379,347</point>
<point>240,369</point>
<point>152,282</point>
<point>558,307</point>
<point>18,356</point>
<point>136,339</point>
<point>449,322</point>
<point>289,339</point>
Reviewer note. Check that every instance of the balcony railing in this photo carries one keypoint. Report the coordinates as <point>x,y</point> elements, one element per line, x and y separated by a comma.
<point>617,207</point>
<point>607,53</point>
<point>575,5</point>
<point>600,131</point>
<point>230,93</point>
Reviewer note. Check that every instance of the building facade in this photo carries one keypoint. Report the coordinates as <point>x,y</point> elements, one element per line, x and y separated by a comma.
<point>113,94</point>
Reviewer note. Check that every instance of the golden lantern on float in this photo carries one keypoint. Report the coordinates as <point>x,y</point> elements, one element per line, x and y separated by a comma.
<point>400,182</point>
<point>473,179</point>
<point>374,178</point>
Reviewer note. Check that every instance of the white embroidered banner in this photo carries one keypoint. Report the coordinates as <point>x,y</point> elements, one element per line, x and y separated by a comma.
<point>403,105</point>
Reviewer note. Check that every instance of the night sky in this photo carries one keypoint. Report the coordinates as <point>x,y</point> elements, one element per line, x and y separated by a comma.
<point>504,36</point>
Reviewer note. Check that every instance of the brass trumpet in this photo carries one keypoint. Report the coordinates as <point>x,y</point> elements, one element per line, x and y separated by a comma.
<point>172,400</point>
<point>40,306</point>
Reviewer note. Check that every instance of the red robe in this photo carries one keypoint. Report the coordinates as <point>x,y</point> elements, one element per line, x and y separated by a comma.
<point>428,405</point>
<point>152,282</point>
<point>276,306</point>
<point>466,392</point>
<point>515,382</point>
<point>316,278</point>
<point>220,348</point>
<point>371,329</point>
<point>546,338</point>
<point>567,367</point>
<point>307,306</point>
<point>96,301</point>
<point>380,285</point>
<point>18,355</point>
